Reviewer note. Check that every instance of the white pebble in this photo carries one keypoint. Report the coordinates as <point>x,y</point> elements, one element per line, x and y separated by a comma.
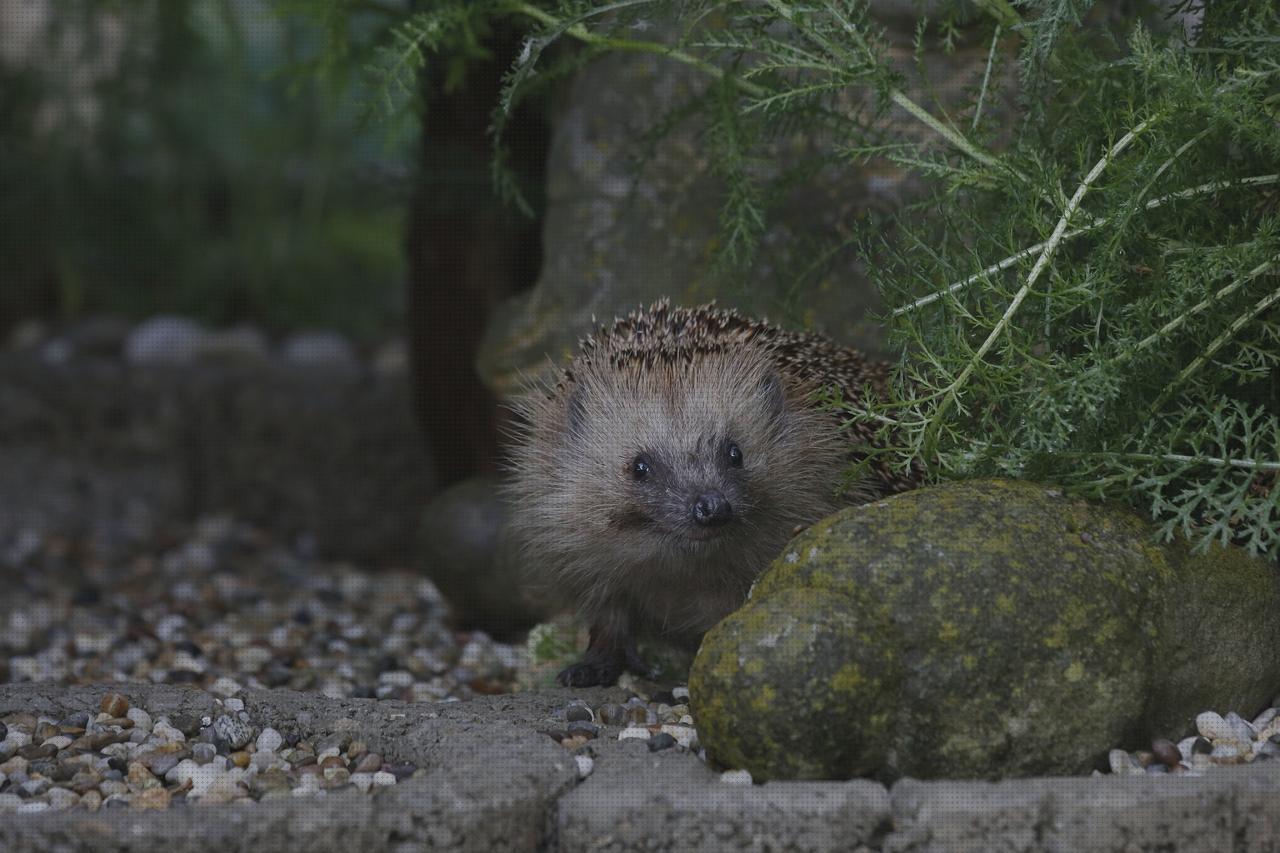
<point>684,735</point>
<point>269,740</point>
<point>171,627</point>
<point>62,798</point>
<point>15,740</point>
<point>383,778</point>
<point>141,719</point>
<point>1214,727</point>
<point>1123,764</point>
<point>1184,747</point>
<point>1260,721</point>
<point>634,733</point>
<point>204,777</point>
<point>58,741</point>
<point>308,783</point>
<point>167,733</point>
<point>362,781</point>
<point>736,777</point>
<point>31,807</point>
<point>164,340</point>
<point>1241,728</point>
<point>585,765</point>
<point>225,686</point>
<point>9,803</point>
<point>396,678</point>
<point>180,773</point>
<point>234,705</point>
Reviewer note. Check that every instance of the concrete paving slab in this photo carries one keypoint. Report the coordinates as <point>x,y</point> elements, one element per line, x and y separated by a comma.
<point>491,781</point>
<point>1230,809</point>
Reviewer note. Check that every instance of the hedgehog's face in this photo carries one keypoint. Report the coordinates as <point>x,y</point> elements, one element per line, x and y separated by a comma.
<point>695,456</point>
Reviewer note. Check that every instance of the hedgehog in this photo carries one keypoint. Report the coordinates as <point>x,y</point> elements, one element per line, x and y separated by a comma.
<point>671,462</point>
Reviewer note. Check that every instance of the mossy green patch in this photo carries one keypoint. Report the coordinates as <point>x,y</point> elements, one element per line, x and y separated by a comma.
<point>974,629</point>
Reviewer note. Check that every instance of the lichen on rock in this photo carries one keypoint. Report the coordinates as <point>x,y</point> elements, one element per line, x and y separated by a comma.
<point>981,629</point>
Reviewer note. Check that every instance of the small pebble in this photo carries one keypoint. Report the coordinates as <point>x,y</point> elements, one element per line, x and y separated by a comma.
<point>585,729</point>
<point>634,733</point>
<point>114,705</point>
<point>660,741</point>
<point>585,765</point>
<point>141,719</point>
<point>234,731</point>
<point>383,778</point>
<point>269,740</point>
<point>1123,764</point>
<point>612,715</point>
<point>1215,727</point>
<point>578,711</point>
<point>736,777</point>
<point>152,798</point>
<point>1166,751</point>
<point>684,735</point>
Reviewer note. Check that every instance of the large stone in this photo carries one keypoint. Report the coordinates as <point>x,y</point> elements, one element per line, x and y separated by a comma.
<point>981,629</point>
<point>617,237</point>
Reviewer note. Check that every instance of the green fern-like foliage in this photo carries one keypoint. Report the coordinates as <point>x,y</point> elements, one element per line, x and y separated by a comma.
<point>1087,293</point>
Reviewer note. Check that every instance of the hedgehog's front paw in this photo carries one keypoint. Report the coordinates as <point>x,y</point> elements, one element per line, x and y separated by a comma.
<point>590,672</point>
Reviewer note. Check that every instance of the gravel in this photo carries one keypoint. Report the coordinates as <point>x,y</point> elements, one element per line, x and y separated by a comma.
<point>94,761</point>
<point>1223,740</point>
<point>222,606</point>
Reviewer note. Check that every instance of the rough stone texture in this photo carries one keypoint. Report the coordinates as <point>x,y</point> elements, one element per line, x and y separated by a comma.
<point>92,443</point>
<point>489,783</point>
<point>495,783</point>
<point>663,801</point>
<point>981,629</point>
<point>1237,810</point>
<point>615,240</point>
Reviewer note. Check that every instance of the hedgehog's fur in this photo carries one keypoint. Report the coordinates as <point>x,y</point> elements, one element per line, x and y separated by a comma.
<point>679,386</point>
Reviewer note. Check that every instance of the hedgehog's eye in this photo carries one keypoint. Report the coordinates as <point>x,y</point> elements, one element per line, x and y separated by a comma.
<point>640,467</point>
<point>735,455</point>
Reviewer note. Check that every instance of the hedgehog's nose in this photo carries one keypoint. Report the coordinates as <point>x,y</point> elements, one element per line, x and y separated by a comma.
<point>712,510</point>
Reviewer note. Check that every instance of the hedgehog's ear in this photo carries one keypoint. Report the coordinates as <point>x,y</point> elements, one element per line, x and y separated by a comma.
<point>773,393</point>
<point>576,415</point>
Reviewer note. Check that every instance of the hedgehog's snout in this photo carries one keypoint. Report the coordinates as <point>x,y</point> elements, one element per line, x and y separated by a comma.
<point>711,509</point>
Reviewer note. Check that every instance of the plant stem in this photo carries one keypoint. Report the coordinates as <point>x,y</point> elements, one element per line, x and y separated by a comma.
<point>640,46</point>
<point>585,36</point>
<point>1173,324</point>
<point>1216,344</point>
<point>999,266</point>
<point>1051,245</point>
<point>986,77</point>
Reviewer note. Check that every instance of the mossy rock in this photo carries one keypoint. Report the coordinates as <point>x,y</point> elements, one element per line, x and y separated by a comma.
<point>981,629</point>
